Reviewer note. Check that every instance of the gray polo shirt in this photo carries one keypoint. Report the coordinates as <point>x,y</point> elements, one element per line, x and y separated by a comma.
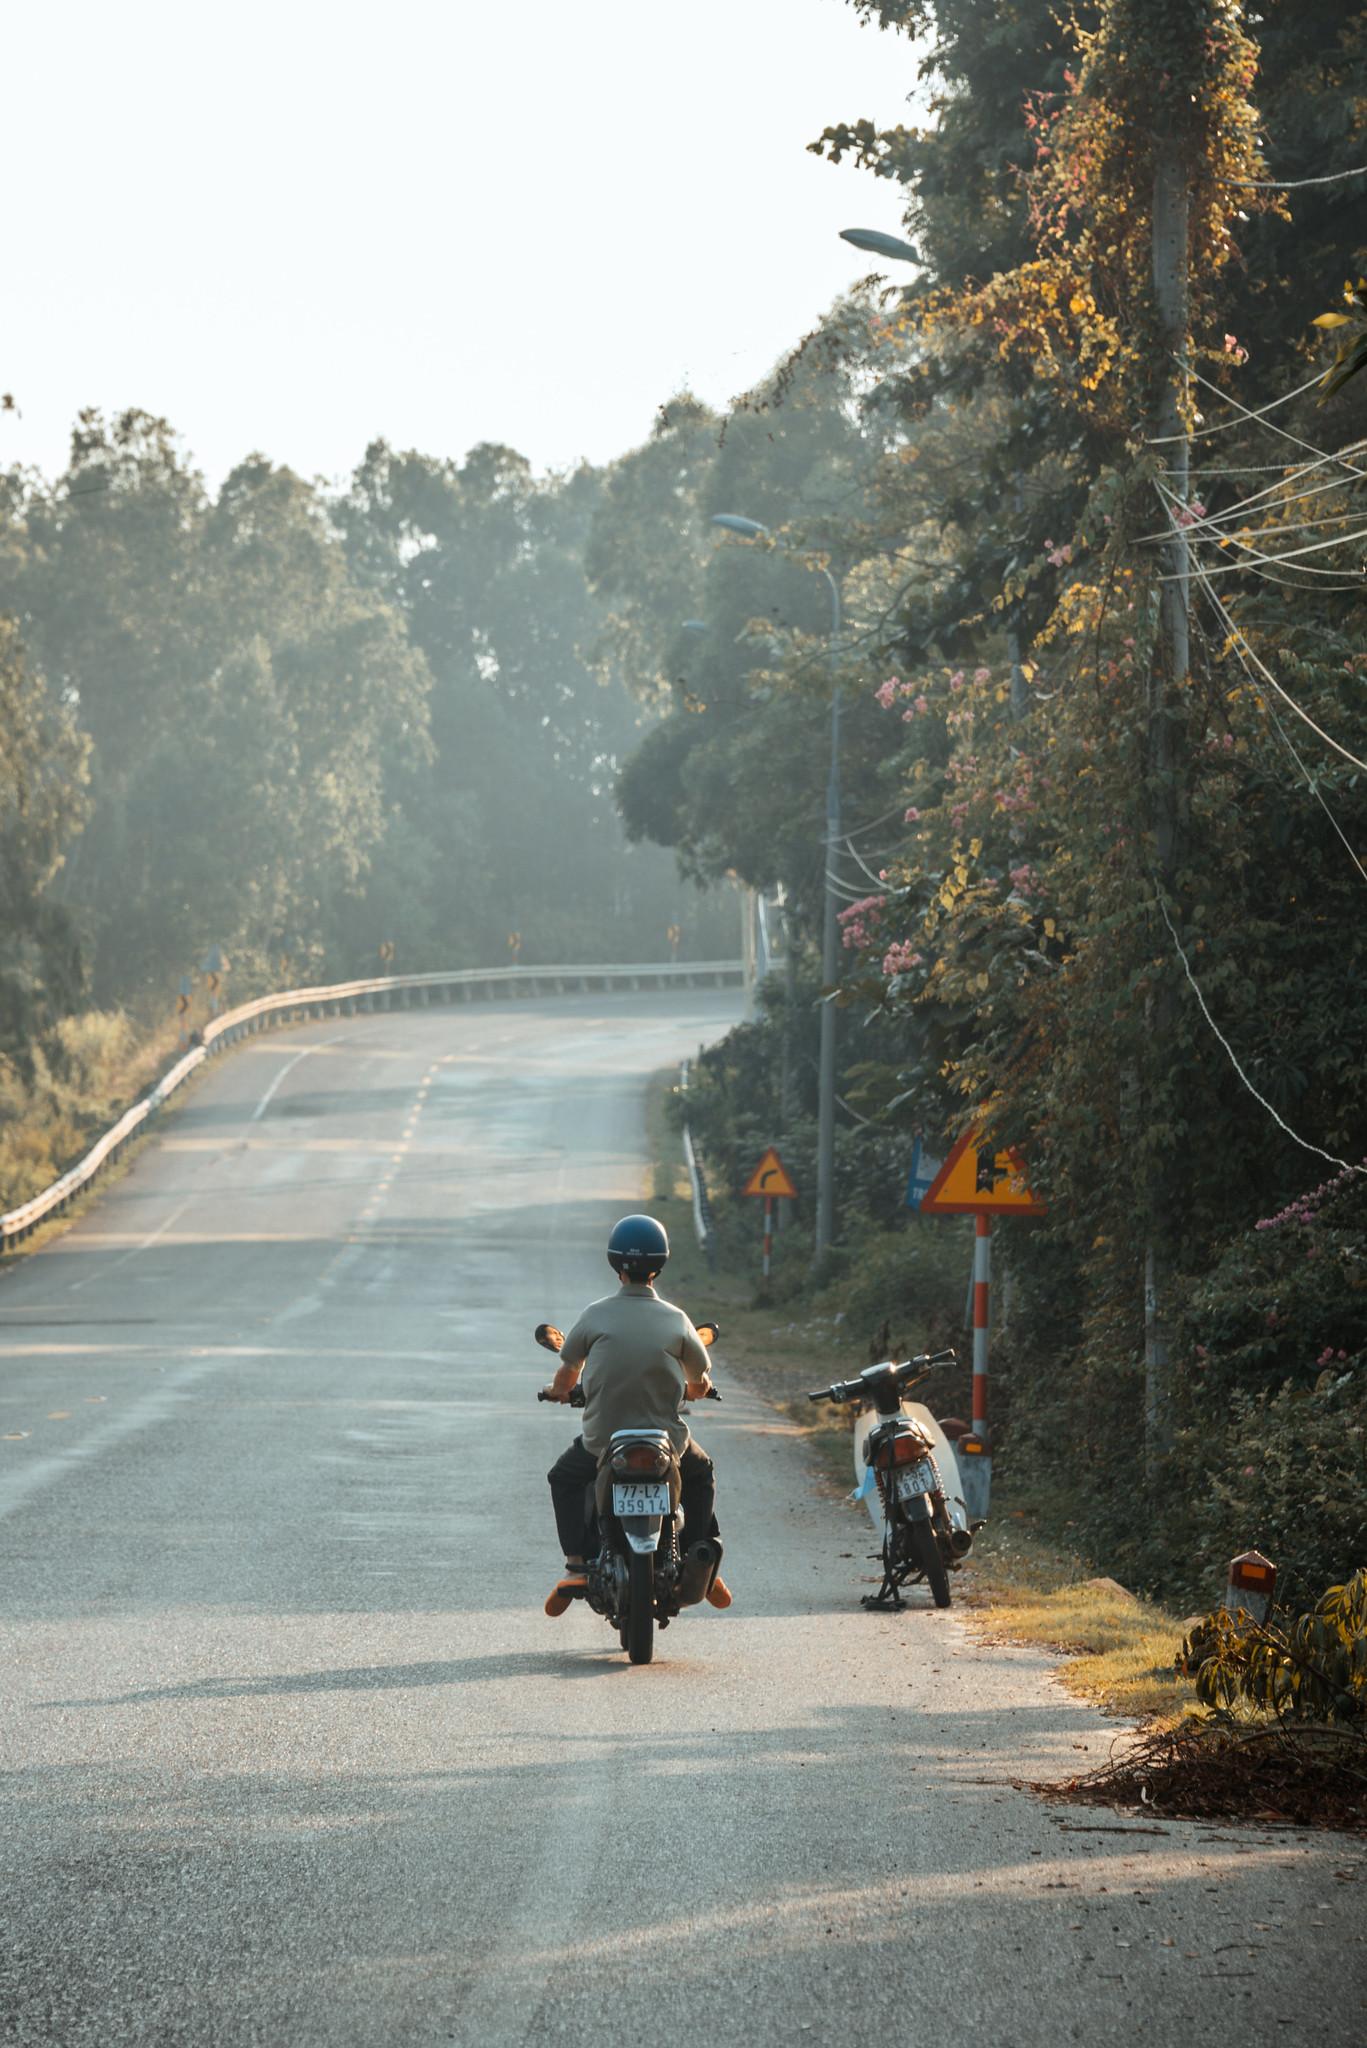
<point>637,1351</point>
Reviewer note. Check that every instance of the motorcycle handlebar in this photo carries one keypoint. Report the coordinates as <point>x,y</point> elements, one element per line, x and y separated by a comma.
<point>912,1370</point>
<point>578,1397</point>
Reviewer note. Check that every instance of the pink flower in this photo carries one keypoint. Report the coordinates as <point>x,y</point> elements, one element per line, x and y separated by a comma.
<point>900,957</point>
<point>956,681</point>
<point>982,675</point>
<point>921,705</point>
<point>911,816</point>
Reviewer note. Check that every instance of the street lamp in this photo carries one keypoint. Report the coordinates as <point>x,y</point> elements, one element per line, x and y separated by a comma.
<point>751,529</point>
<point>879,244</point>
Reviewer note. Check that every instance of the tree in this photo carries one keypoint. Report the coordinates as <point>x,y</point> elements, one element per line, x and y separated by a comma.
<point>43,803</point>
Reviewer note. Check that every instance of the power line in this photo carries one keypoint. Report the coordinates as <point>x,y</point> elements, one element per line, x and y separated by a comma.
<point>1276,1115</point>
<point>1313,547</point>
<point>1203,576</point>
<point>1311,781</point>
<point>1193,530</point>
<point>1289,475</point>
<point>1223,426</point>
<point>1210,529</point>
<point>1258,419</point>
<point>1293,184</point>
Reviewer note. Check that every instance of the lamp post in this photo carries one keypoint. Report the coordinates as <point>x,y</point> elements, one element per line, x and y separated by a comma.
<point>879,244</point>
<point>752,529</point>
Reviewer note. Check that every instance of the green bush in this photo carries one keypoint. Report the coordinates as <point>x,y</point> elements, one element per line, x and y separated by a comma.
<point>1311,1669</point>
<point>903,1290</point>
<point>1288,1476</point>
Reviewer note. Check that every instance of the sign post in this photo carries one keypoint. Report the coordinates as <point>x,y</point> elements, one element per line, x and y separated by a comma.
<point>769,1180</point>
<point>982,1280</point>
<point>213,967</point>
<point>982,1184</point>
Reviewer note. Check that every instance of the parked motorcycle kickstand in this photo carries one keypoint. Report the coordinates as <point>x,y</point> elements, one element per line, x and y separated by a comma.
<point>888,1599</point>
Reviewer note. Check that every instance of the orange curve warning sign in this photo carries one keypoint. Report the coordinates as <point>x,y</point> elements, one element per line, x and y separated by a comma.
<point>770,1177</point>
<point>975,1182</point>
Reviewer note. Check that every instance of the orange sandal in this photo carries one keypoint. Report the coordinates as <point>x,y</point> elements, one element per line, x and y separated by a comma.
<point>571,1587</point>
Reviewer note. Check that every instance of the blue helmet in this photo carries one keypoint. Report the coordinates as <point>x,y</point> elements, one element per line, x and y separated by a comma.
<point>638,1247</point>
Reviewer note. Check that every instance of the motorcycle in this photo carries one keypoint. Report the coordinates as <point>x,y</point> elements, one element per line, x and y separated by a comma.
<point>910,1471</point>
<point>640,1577</point>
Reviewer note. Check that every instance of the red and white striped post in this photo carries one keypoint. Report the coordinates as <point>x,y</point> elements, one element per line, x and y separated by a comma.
<point>982,1281</point>
<point>768,1234</point>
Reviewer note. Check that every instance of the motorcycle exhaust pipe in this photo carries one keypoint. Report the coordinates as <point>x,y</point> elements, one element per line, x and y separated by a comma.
<point>698,1570</point>
<point>960,1541</point>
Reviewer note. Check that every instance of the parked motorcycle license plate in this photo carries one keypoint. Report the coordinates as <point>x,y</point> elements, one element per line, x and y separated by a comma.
<point>646,1497</point>
<point>918,1480</point>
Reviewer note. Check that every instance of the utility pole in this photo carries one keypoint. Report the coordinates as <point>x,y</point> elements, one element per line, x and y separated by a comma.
<point>1020,689</point>
<point>1166,739</point>
<point>754,529</point>
<point>830,963</point>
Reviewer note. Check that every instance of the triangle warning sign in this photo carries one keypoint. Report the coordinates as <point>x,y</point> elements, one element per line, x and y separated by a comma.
<point>975,1182</point>
<point>770,1177</point>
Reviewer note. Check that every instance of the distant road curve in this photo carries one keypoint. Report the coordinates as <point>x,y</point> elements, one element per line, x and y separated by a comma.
<point>350,999</point>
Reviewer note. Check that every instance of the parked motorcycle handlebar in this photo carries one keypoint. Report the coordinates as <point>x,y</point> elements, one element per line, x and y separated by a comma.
<point>913,1371</point>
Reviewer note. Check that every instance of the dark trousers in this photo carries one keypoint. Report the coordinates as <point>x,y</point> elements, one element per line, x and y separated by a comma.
<point>574,1473</point>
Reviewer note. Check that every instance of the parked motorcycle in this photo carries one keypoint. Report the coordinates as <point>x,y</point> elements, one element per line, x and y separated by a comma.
<point>911,1472</point>
<point>638,1573</point>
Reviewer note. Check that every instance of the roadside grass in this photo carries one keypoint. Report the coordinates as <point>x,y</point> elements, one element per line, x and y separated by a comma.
<point>104,1061</point>
<point>1116,1649</point>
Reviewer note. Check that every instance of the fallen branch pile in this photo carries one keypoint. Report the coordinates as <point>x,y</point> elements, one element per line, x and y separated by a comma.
<point>1306,1775</point>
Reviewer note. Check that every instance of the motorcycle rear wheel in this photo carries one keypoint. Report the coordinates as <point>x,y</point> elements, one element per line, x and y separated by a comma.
<point>926,1552</point>
<point>639,1633</point>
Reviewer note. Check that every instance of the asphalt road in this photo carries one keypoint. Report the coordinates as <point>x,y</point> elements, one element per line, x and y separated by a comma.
<point>291,1754</point>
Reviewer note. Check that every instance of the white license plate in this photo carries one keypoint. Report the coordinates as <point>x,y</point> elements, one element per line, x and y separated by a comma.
<point>650,1497</point>
<point>918,1480</point>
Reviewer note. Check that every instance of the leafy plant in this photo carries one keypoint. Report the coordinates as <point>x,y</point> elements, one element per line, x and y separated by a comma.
<point>1352,348</point>
<point>1311,1669</point>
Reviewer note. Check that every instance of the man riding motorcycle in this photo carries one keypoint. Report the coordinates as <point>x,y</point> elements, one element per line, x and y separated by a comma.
<point>641,1358</point>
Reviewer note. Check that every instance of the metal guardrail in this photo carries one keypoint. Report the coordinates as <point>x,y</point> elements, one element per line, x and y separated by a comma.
<point>350,999</point>
<point>697,1181</point>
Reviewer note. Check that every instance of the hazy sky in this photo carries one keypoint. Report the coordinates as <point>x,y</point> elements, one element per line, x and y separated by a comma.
<point>298,226</point>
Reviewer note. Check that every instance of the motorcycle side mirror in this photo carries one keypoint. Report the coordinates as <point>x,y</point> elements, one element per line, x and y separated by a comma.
<point>548,1337</point>
<point>709,1332</point>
